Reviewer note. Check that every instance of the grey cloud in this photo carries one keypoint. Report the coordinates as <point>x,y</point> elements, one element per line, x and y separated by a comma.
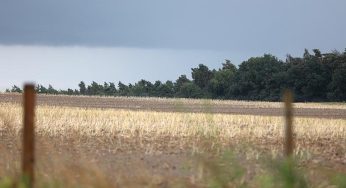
<point>196,24</point>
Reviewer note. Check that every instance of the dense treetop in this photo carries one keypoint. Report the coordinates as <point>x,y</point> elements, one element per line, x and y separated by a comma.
<point>313,77</point>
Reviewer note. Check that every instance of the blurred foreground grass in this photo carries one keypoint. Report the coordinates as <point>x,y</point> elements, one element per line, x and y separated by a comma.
<point>220,171</point>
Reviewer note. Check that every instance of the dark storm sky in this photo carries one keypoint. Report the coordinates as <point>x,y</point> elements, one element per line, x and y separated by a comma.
<point>149,36</point>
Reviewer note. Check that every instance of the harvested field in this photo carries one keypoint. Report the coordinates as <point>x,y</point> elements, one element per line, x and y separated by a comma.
<point>87,145</point>
<point>318,110</point>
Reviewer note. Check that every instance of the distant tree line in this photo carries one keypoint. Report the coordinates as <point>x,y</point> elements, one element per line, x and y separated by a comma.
<point>313,77</point>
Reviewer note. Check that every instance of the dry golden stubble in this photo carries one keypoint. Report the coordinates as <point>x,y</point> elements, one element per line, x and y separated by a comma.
<point>67,137</point>
<point>156,130</point>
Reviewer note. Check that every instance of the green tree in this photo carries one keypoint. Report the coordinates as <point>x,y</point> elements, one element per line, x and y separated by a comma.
<point>16,89</point>
<point>163,89</point>
<point>308,78</point>
<point>179,83</point>
<point>317,53</point>
<point>256,79</point>
<point>306,55</point>
<point>143,88</point>
<point>41,89</point>
<point>51,90</point>
<point>82,88</point>
<point>109,89</point>
<point>221,83</point>
<point>70,91</point>
<point>168,89</point>
<point>228,65</point>
<point>201,76</point>
<point>337,85</point>
<point>317,77</point>
<point>112,89</point>
<point>95,89</point>
<point>123,89</point>
<point>191,90</point>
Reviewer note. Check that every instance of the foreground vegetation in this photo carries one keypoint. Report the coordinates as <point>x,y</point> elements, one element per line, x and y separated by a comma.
<point>313,77</point>
<point>90,147</point>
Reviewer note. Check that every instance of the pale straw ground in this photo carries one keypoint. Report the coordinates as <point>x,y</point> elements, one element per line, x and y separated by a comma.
<point>116,140</point>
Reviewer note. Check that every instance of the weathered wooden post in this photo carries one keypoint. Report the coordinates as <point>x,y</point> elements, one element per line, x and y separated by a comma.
<point>28,158</point>
<point>288,143</point>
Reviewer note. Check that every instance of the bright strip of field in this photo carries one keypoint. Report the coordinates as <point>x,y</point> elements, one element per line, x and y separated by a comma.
<point>52,121</point>
<point>65,99</point>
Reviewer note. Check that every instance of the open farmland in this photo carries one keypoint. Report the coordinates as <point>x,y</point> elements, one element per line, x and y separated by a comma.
<point>319,110</point>
<point>108,141</point>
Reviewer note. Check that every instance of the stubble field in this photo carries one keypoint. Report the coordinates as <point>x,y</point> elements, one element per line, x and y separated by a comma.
<point>135,142</point>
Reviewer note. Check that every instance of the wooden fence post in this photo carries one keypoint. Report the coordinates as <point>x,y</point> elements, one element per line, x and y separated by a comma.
<point>288,144</point>
<point>28,159</point>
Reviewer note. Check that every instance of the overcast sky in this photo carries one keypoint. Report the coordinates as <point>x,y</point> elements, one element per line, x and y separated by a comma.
<point>63,42</point>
